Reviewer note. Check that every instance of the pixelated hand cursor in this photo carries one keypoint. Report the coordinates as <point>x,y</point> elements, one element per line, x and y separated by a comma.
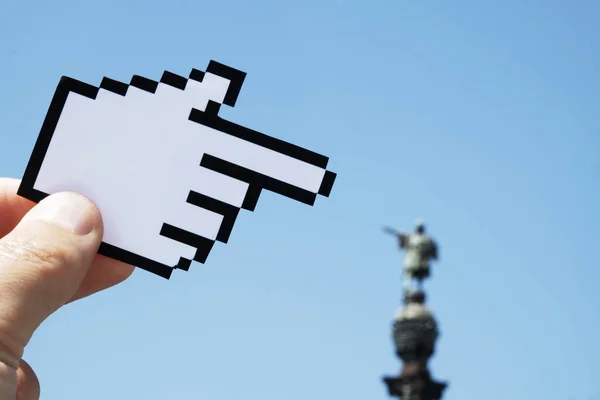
<point>168,174</point>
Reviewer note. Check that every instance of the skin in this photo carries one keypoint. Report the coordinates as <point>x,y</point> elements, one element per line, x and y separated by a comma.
<point>48,258</point>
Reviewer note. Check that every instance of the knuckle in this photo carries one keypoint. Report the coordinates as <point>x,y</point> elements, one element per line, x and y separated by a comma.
<point>11,348</point>
<point>31,251</point>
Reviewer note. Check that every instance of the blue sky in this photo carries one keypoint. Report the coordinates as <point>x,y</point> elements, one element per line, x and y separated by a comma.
<point>479,116</point>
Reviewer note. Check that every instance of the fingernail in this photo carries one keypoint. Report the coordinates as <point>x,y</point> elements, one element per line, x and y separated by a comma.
<point>68,210</point>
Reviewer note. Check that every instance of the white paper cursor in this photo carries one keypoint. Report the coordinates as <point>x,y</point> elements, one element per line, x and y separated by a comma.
<point>168,174</point>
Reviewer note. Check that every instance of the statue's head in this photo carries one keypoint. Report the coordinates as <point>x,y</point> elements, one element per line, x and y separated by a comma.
<point>420,226</point>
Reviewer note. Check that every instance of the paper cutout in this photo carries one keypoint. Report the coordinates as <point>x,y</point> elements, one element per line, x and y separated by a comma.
<point>168,174</point>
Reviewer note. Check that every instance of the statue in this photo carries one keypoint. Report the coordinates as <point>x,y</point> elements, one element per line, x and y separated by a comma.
<point>419,249</point>
<point>414,329</point>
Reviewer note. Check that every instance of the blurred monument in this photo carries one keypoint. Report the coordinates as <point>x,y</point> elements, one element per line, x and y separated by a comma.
<point>414,329</point>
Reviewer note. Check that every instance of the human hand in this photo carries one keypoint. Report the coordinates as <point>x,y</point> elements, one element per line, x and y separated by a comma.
<point>48,258</point>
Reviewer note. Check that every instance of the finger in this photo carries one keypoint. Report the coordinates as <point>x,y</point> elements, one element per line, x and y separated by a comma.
<point>12,206</point>
<point>104,273</point>
<point>28,385</point>
<point>42,264</point>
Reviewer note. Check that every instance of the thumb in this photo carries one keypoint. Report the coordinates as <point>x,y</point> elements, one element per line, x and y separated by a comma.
<point>42,263</point>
